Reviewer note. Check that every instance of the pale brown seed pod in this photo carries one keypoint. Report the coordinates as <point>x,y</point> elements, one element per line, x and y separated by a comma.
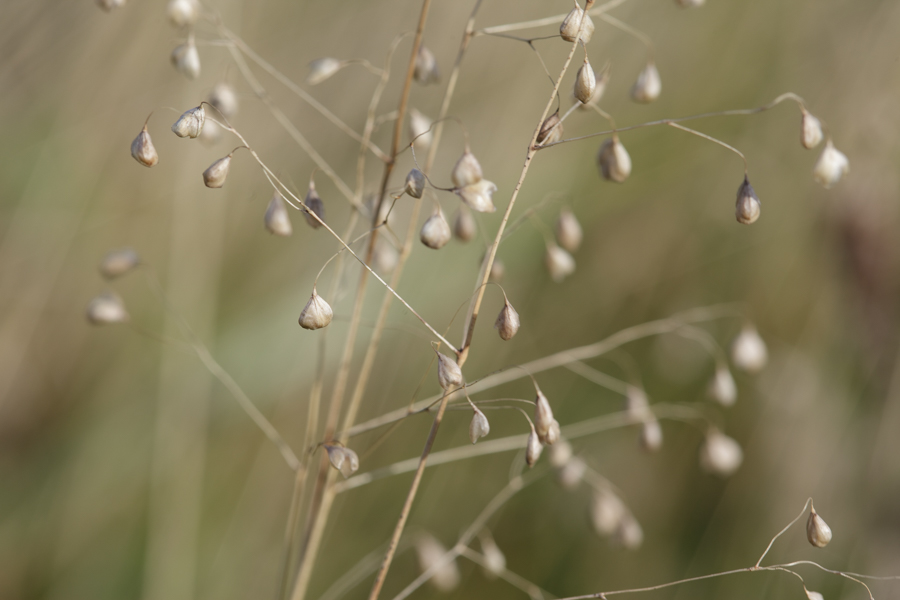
<point>494,560</point>
<point>321,69</point>
<point>316,314</point>
<point>466,171</point>
<point>747,206</point>
<point>651,436</point>
<point>810,130</point>
<point>607,512</point>
<point>142,149</point>
<point>722,387</point>
<point>720,455</point>
<point>464,225</point>
<point>559,263</point>
<point>190,124</point>
<point>479,195</point>
<point>568,30</point>
<point>224,99</point>
<point>507,323</point>
<point>449,373</point>
<point>315,205</point>
<point>648,85</point>
<point>426,69</point>
<point>186,59</point>
<point>817,530</point>
<point>533,448</point>
<point>629,534</point>
<point>430,554</point>
<point>585,82</point>
<point>343,459</point>
<point>601,80</point>
<point>748,351</point>
<point>479,426</point>
<point>106,309</point>
<point>435,231</point>
<point>277,220</point>
<point>814,595</point>
<point>831,166</point>
<point>420,130</point>
<point>568,231</point>
<point>119,262</point>
<point>109,5</point>
<point>415,183</point>
<point>551,130</point>
<point>214,176</point>
<point>614,161</point>
<point>543,415</point>
<point>553,433</point>
<point>183,13</point>
<point>571,473</point>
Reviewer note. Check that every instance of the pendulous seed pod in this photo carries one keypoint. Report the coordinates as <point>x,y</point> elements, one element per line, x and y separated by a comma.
<point>478,196</point>
<point>543,415</point>
<point>585,82</point>
<point>186,59</point>
<point>607,512</point>
<point>183,13</point>
<point>601,80</point>
<point>568,231</point>
<point>568,30</point>
<point>415,183</point>
<point>210,134</point>
<point>385,257</point>
<point>277,220</point>
<point>142,149</point>
<point>430,554</point>
<point>214,176</point>
<point>106,309</point>
<point>720,455</point>
<point>316,314</point>
<point>571,473</point>
<point>435,231</point>
<point>831,166</point>
<point>190,124</point>
<point>748,351</point>
<point>614,161</point>
<point>494,560</point>
<point>426,69</point>
<point>533,448</point>
<point>561,454</point>
<point>449,373</point>
<point>629,534</point>
<point>817,530</point>
<point>814,595</point>
<point>636,404</point>
<point>651,437</point>
<point>648,85</point>
<point>321,69</point>
<point>747,206</point>
<point>722,387</point>
<point>467,170</point>
<point>343,459</point>
<point>464,225</point>
<point>551,130</point>
<point>478,427</point>
<point>119,262</point>
<point>420,130</point>
<point>507,323</point>
<point>553,433</point>
<point>559,263</point>
<point>810,130</point>
<point>315,205</point>
<point>224,99</point>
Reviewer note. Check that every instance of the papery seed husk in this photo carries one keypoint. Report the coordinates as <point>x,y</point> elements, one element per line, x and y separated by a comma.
<point>533,448</point>
<point>614,161</point>
<point>350,464</point>
<point>224,99</point>
<point>435,231</point>
<point>426,69</point>
<point>651,437</point>
<point>321,69</point>
<point>186,59</point>
<point>747,205</point>
<point>551,130</point>
<point>810,130</point>
<point>585,82</point>
<point>415,183</point>
<point>479,195</point>
<point>315,205</point>
<point>336,456</point>
<point>430,552</point>
<point>720,455</point>
<point>466,171</point>
<point>183,13</point>
<point>142,149</point>
<point>106,309</point>
<point>748,351</point>
<point>568,30</point>
<point>190,124</point>
<point>316,314</point>
<point>420,130</point>
<point>607,512</point>
<point>494,560</point>
<point>559,263</point>
<point>507,323</point>
<point>831,166</point>
<point>568,231</point>
<point>478,427</point>
<point>215,175</point>
<point>817,530</point>
<point>119,262</point>
<point>464,225</point>
<point>277,220</point>
<point>449,373</point>
<point>571,473</point>
<point>648,85</point>
<point>553,433</point>
<point>722,388</point>
<point>601,80</point>
<point>629,534</point>
<point>543,415</point>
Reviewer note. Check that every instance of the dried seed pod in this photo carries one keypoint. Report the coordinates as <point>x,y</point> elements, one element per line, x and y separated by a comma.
<point>479,427</point>
<point>315,205</point>
<point>436,231</point>
<point>420,130</point>
<point>119,262</point>
<point>415,183</point>
<point>814,595</point>
<point>607,512</point>
<point>614,161</point>
<point>426,69</point>
<point>190,124</point>
<point>831,166</point>
<point>571,473</point>
<point>551,130</point>
<point>467,170</point>
<point>449,373</point>
<point>316,314</point>
<point>747,206</point>
<point>105,309</point>
<point>568,30</point>
<point>109,5</point>
<point>748,351</point>
<point>214,176</point>
<point>142,149</point>
<point>722,388</point>
<point>385,257</point>
<point>559,263</point>
<point>277,220</point>
<point>648,85</point>
<point>498,270</point>
<point>720,455</point>
<point>464,225</point>
<point>817,530</point>
<point>585,82</point>
<point>210,134</point>
<point>601,80</point>
<point>629,534</point>
<point>568,231</point>
<point>560,454</point>
<point>186,59</point>
<point>533,448</point>
<point>224,99</point>
<point>810,130</point>
<point>479,195</point>
<point>543,415</point>
<point>321,69</point>
<point>430,554</point>
<point>651,437</point>
<point>494,560</point>
<point>343,459</point>
<point>553,433</point>
<point>183,13</point>
<point>507,323</point>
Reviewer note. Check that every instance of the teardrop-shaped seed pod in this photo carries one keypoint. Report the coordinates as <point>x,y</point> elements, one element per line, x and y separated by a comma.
<point>214,176</point>
<point>651,437</point>
<point>478,427</point>
<point>464,225</point>
<point>607,512</point>
<point>315,205</point>
<point>585,82</point>
<point>277,220</point>
<point>533,448</point>
<point>568,30</point>
<point>467,170</point>
<point>720,455</point>
<point>224,99</point>
<point>629,534</point>
<point>551,130</point>
<point>106,309</point>
<point>321,69</point>
<point>435,231</point>
<point>426,69</point>
<point>831,166</point>
<point>747,206</point>
<point>507,323</point>
<point>559,263</point>
<point>722,388</point>
<point>183,13</point>
<point>479,196</point>
<point>810,130</point>
<point>119,262</point>
<point>494,561</point>
<point>571,473</point>
<point>748,351</point>
<point>568,231</point>
<point>142,149</point>
<point>543,415</point>
<point>186,59</point>
<point>449,374</point>
<point>431,556</point>
<point>648,85</point>
<point>614,161</point>
<point>420,130</point>
<point>316,314</point>
<point>817,530</point>
<point>415,183</point>
<point>190,124</point>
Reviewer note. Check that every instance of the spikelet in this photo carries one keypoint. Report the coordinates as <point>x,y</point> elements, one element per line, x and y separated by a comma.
<point>747,206</point>
<point>648,85</point>
<point>831,166</point>
<point>435,231</point>
<point>190,124</point>
<point>748,351</point>
<point>478,427</point>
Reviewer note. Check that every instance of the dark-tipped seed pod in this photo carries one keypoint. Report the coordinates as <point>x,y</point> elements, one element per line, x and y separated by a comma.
<point>415,183</point>
<point>747,206</point>
<point>313,205</point>
<point>277,220</point>
<point>507,323</point>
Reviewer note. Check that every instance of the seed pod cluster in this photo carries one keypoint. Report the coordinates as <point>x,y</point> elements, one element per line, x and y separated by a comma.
<point>321,69</point>
<point>343,459</point>
<point>720,455</point>
<point>568,30</point>
<point>315,205</point>
<point>190,124</point>
<point>648,85</point>
<point>186,59</point>
<point>470,186</point>
<point>831,166</point>
<point>277,220</point>
<point>119,262</point>
<point>748,350</point>
<point>106,309</point>
<point>817,530</point>
<point>507,323</point>
<point>142,149</point>
<point>614,161</point>
<point>435,231</point>
<point>316,314</point>
<point>747,206</point>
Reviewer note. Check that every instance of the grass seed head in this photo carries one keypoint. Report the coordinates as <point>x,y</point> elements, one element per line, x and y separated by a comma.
<point>817,530</point>
<point>637,405</point>
<point>568,231</point>
<point>747,206</point>
<point>186,59</point>
<point>214,176</point>
<point>343,459</point>
<point>142,149</point>
<point>321,69</point>
<point>831,166</point>
<point>190,124</point>
<point>571,473</point>
<point>614,161</point>
<point>316,314</point>
<point>507,323</point>
<point>119,262</point>
<point>568,30</point>
<point>559,263</point>
<point>648,85</point>
<point>183,13</point>
<point>720,455</point>
<point>277,220</point>
<point>560,454</point>
<point>435,231</point>
<point>211,134</point>
<point>601,80</point>
<point>464,225</point>
<point>385,257</point>
<point>553,433</point>
<point>810,130</point>
<point>426,69</point>
<point>585,82</point>
<point>315,205</point>
<point>629,534</point>
<point>498,270</point>
<point>814,595</point>
<point>106,309</point>
<point>449,373</point>
<point>415,183</point>
<point>748,351</point>
<point>478,427</point>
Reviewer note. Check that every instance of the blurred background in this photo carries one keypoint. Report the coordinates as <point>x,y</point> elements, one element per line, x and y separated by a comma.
<point>127,471</point>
